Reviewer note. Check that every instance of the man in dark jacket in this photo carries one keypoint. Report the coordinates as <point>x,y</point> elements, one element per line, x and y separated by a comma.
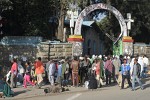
<point>135,74</point>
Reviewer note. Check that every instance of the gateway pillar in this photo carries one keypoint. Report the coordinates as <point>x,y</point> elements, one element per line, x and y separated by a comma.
<point>77,47</point>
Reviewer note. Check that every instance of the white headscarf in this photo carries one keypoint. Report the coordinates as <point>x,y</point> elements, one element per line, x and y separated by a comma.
<point>100,56</point>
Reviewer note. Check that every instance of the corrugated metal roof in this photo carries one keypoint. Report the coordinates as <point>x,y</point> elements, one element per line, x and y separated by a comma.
<point>85,23</point>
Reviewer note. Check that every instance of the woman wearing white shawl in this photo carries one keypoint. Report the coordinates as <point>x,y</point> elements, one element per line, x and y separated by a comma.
<point>131,65</point>
<point>140,61</point>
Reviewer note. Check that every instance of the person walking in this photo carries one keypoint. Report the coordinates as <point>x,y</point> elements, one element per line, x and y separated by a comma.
<point>75,67</point>
<point>99,72</point>
<point>52,69</point>
<point>86,65</point>
<point>27,78</point>
<point>141,62</point>
<point>116,64</point>
<point>59,73</point>
<point>67,74</point>
<point>125,71</point>
<point>63,72</point>
<point>108,70</point>
<point>81,71</point>
<point>47,70</point>
<point>93,66</point>
<point>39,70</point>
<point>146,64</point>
<point>21,72</point>
<point>14,71</point>
<point>135,74</point>
<point>33,75</point>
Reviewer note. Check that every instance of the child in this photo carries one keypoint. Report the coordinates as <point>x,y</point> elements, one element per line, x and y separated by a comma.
<point>27,76</point>
<point>33,75</point>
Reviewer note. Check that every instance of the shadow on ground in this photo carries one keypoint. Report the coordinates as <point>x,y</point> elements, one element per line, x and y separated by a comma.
<point>20,92</point>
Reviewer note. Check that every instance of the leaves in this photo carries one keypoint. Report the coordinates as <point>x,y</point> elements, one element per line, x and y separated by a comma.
<point>139,10</point>
<point>31,17</point>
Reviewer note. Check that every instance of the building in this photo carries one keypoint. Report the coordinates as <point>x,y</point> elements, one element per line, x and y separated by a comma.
<point>93,43</point>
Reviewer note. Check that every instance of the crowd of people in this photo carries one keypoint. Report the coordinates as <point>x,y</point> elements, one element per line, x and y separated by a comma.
<point>80,70</point>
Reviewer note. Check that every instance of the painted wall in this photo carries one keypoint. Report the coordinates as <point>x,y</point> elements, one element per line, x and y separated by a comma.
<point>92,44</point>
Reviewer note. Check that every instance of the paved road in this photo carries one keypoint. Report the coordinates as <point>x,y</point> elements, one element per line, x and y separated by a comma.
<point>105,93</point>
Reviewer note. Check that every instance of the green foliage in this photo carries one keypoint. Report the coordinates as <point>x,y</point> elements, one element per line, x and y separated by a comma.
<point>139,10</point>
<point>5,5</point>
<point>104,24</point>
<point>29,17</point>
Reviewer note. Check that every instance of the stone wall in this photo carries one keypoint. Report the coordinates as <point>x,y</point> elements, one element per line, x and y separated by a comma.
<point>54,50</point>
<point>142,49</point>
<point>31,52</point>
<point>20,51</point>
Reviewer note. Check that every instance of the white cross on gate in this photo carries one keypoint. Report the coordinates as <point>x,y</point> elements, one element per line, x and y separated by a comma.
<point>129,21</point>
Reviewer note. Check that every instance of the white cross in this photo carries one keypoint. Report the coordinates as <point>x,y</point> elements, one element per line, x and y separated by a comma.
<point>129,21</point>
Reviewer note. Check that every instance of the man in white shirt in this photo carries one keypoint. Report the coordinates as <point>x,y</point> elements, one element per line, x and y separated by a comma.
<point>146,64</point>
<point>52,69</point>
<point>140,61</point>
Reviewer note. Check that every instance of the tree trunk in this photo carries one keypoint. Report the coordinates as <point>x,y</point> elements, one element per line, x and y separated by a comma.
<point>61,22</point>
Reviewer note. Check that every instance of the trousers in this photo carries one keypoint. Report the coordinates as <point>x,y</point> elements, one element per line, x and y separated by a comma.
<point>39,78</point>
<point>135,77</point>
<point>128,79</point>
<point>13,80</point>
<point>27,80</point>
<point>51,79</point>
<point>99,81</point>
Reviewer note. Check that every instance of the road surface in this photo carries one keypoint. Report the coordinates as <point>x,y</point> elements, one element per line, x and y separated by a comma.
<point>105,93</point>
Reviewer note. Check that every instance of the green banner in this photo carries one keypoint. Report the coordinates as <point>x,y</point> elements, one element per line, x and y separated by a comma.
<point>117,48</point>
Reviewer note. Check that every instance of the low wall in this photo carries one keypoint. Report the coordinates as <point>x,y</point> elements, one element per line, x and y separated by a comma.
<point>31,52</point>
<point>142,49</point>
<point>54,50</point>
<point>20,51</point>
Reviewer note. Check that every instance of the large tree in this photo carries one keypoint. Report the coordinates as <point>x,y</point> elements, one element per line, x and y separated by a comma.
<point>139,10</point>
<point>28,17</point>
<point>46,17</point>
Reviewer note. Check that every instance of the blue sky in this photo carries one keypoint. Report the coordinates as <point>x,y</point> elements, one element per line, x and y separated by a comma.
<point>99,17</point>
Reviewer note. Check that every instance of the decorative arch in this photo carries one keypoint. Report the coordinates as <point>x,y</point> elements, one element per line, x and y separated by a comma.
<point>110,8</point>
